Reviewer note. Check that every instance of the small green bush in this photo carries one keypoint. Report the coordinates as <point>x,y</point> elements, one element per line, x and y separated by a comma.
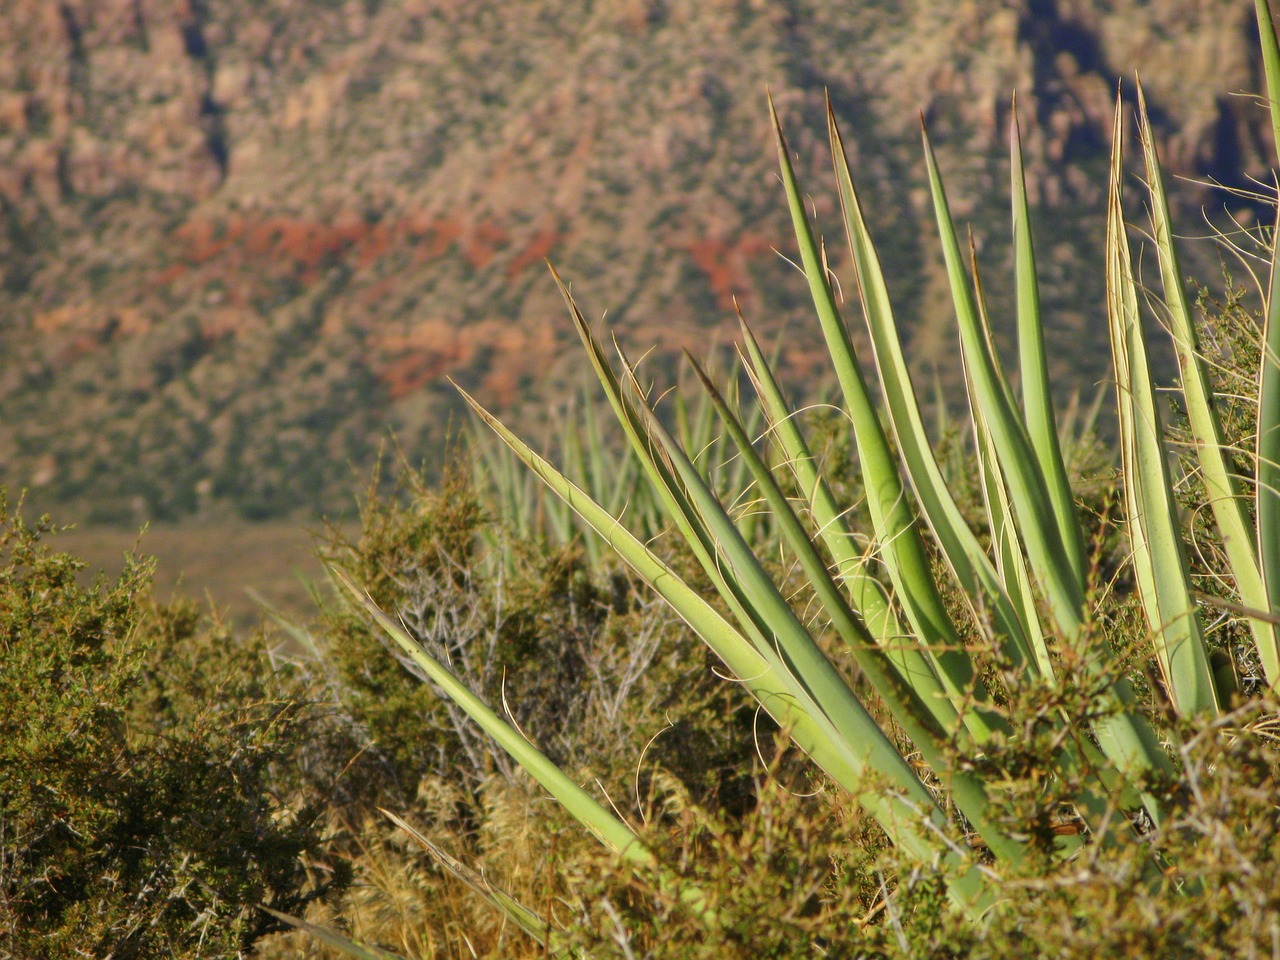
<point>145,765</point>
<point>587,663</point>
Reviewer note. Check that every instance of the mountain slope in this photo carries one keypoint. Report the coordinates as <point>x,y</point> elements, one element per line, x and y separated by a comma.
<point>244,239</point>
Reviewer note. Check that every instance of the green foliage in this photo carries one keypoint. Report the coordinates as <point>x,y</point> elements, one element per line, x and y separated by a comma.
<point>145,766</point>
<point>1220,900</point>
<point>1023,714</point>
<point>583,661</point>
<point>801,873</point>
<point>1230,342</point>
<point>787,864</point>
<point>1013,717</point>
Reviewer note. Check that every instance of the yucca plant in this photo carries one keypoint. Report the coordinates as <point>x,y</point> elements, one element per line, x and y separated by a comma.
<point>913,739</point>
<point>592,458</point>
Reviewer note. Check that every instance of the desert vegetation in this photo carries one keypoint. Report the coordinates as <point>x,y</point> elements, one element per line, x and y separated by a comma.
<point>152,774</point>
<point>717,671</point>
<point>1014,704</point>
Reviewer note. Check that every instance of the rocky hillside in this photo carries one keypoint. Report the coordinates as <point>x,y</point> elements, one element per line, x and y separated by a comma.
<point>244,239</point>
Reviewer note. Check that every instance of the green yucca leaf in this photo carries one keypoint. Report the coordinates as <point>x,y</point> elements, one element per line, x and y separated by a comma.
<point>866,590</point>
<point>1268,448</point>
<point>1056,573</point>
<point>697,434</point>
<point>670,490</point>
<point>741,656</point>
<point>607,827</point>
<point>1091,801</point>
<point>663,481</point>
<point>684,426</point>
<point>711,451</point>
<point>869,596</point>
<point>504,903</point>
<point>1222,488</point>
<point>988,335</point>
<point>1159,557</point>
<point>905,703</point>
<point>1037,397</point>
<point>1011,562</point>
<point>898,802</point>
<point>960,548</point>
<point>575,458</point>
<point>1126,738</point>
<point>782,629</point>
<point>897,536</point>
<point>1268,455</point>
<point>1270,64</point>
<point>352,948</point>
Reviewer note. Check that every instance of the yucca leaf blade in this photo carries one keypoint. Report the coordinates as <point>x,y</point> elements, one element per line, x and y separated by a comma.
<point>1126,737</point>
<point>1268,444</point>
<point>776,689</point>
<point>1037,397</point>
<point>960,547</point>
<point>1055,572</point>
<point>783,628</point>
<point>1270,64</point>
<point>897,535</point>
<point>668,489</point>
<point>1222,489</point>
<point>899,810</point>
<point>504,903</point>
<point>1159,556</point>
<point>869,595</point>
<point>915,716</point>
<point>352,948</point>
<point>607,827</point>
<point>1009,553</point>
<point>818,678</point>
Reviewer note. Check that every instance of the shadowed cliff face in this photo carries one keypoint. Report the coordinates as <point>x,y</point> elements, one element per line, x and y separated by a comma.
<point>243,239</point>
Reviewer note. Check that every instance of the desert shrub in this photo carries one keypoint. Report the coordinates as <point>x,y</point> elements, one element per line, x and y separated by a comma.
<point>1216,897</point>
<point>583,658</point>
<point>145,762</point>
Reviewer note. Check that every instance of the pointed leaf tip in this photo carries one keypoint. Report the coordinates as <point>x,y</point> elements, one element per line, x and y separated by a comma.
<point>351,948</point>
